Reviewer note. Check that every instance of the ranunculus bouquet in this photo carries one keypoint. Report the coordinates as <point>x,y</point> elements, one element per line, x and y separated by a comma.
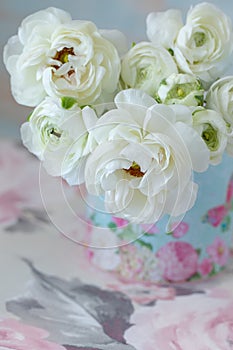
<point>133,124</point>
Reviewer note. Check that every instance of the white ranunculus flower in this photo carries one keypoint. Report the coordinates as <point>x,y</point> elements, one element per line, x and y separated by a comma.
<point>144,158</point>
<point>53,55</point>
<point>212,128</point>
<point>145,65</point>
<point>183,89</point>
<point>220,98</point>
<point>57,133</point>
<point>202,46</point>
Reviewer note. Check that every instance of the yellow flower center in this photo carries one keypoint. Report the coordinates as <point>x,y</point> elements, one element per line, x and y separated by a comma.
<point>63,55</point>
<point>180,92</point>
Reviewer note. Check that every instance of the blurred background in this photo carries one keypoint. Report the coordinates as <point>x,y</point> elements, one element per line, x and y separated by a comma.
<point>126,15</point>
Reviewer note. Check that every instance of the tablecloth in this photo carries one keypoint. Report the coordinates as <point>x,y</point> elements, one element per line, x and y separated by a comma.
<point>52,297</point>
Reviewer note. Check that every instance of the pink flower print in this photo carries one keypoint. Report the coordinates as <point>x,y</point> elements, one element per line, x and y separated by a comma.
<point>197,322</point>
<point>15,335</point>
<point>19,182</point>
<point>21,191</point>
<point>10,207</point>
<point>205,267</point>
<point>178,261</point>
<point>131,262</point>
<point>216,215</point>
<point>150,228</point>
<point>119,221</point>
<point>137,264</point>
<point>218,252</point>
<point>229,195</point>
<point>179,229</point>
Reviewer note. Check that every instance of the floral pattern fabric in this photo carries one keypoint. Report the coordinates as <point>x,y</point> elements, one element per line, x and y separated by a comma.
<point>191,247</point>
<point>56,293</point>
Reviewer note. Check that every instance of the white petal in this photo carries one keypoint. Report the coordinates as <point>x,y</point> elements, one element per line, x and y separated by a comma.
<point>89,118</point>
<point>196,147</point>
<point>163,27</point>
<point>76,174</point>
<point>51,16</point>
<point>117,38</point>
<point>134,97</point>
<point>137,153</point>
<point>12,48</point>
<point>29,140</point>
<point>183,200</point>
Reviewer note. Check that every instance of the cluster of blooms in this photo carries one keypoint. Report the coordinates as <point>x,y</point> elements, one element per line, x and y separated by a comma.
<point>132,124</point>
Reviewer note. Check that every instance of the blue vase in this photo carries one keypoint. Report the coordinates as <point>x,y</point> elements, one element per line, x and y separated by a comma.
<point>197,246</point>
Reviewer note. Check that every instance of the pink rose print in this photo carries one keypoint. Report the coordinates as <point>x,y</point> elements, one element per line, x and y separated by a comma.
<point>9,207</point>
<point>150,228</point>
<point>119,222</point>
<point>13,191</point>
<point>216,215</point>
<point>205,267</point>
<point>218,252</point>
<point>15,335</point>
<point>137,264</point>
<point>179,229</point>
<point>19,178</point>
<point>23,185</point>
<point>131,265</point>
<point>178,261</point>
<point>195,323</point>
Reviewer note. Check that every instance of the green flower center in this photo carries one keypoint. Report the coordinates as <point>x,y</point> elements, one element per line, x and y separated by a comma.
<point>180,91</point>
<point>210,136</point>
<point>142,75</point>
<point>199,38</point>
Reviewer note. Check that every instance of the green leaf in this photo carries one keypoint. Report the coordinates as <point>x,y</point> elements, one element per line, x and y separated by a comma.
<point>195,276</point>
<point>198,251</point>
<point>225,225</point>
<point>157,99</point>
<point>145,244</point>
<point>68,102</point>
<point>133,44</point>
<point>112,226</point>
<point>213,272</point>
<point>29,116</point>
<point>170,233</point>
<point>163,82</point>
<point>128,234</point>
<point>170,51</point>
<point>146,234</point>
<point>200,99</point>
